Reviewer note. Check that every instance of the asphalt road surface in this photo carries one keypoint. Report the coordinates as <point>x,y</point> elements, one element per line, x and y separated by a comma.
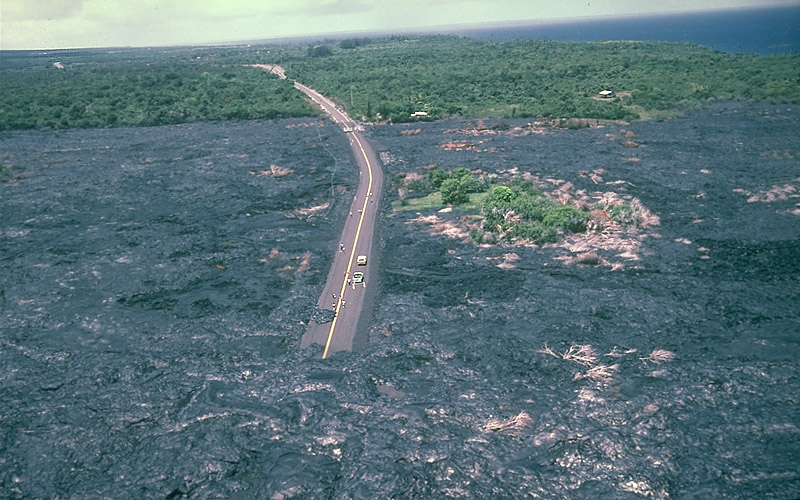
<point>341,294</point>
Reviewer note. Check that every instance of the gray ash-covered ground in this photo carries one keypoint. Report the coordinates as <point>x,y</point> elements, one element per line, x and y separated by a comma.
<point>155,285</point>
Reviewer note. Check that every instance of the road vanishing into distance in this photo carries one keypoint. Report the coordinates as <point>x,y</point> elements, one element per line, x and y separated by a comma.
<point>341,293</point>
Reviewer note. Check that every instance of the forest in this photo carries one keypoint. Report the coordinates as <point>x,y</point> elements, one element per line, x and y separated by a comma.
<point>398,79</point>
<point>138,87</point>
<point>392,79</point>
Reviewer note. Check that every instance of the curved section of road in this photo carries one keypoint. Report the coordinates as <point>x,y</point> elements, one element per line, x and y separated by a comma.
<point>341,294</point>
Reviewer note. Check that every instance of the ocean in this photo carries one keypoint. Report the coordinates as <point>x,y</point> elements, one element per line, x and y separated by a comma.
<point>751,31</point>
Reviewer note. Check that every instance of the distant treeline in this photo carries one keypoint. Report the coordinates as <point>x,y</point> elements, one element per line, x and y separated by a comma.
<point>137,88</point>
<point>445,75</point>
<point>393,78</point>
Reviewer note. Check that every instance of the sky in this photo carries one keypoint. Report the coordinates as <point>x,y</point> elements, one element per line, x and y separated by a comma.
<point>58,24</point>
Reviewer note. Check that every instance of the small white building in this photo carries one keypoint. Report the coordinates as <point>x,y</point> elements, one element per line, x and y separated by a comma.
<point>419,114</point>
<point>607,94</point>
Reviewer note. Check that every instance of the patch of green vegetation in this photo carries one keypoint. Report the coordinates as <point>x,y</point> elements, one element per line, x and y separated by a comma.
<point>623,213</point>
<point>351,43</point>
<point>474,204</point>
<point>433,201</point>
<point>440,188</point>
<point>521,211</point>
<point>139,88</point>
<point>447,75</point>
<point>457,185</point>
<point>384,79</point>
<point>510,211</point>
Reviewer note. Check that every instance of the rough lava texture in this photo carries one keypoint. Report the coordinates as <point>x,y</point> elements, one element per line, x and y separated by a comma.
<point>156,284</point>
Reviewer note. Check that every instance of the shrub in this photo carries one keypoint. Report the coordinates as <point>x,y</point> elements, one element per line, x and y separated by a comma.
<point>454,191</point>
<point>570,219</point>
<point>501,194</point>
<point>523,212</point>
<point>623,213</point>
<point>477,236</point>
<point>437,176</point>
<point>459,173</point>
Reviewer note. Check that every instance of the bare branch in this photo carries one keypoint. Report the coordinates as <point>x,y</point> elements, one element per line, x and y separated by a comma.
<point>659,356</point>
<point>583,354</point>
<point>513,425</point>
<point>547,350</point>
<point>601,373</point>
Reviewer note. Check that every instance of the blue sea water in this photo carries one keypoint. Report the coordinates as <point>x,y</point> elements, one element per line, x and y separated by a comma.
<point>752,31</point>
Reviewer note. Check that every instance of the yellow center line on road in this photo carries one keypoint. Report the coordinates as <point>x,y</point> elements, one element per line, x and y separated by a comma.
<point>352,250</point>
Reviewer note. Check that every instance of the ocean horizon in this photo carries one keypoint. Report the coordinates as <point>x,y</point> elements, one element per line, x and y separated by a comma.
<point>763,31</point>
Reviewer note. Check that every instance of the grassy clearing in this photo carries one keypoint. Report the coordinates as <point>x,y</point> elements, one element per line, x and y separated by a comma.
<point>433,201</point>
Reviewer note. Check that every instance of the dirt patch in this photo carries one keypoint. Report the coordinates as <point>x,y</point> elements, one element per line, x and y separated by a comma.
<point>314,211</point>
<point>274,171</point>
<point>458,146</point>
<point>616,243</point>
<point>509,261</point>
<point>302,125</point>
<point>305,263</point>
<point>438,226</point>
<point>784,192</point>
<point>481,128</point>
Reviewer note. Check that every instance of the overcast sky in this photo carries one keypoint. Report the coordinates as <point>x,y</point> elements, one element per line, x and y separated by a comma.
<point>40,24</point>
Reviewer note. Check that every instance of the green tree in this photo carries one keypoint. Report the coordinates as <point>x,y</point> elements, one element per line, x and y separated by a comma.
<point>454,191</point>
<point>501,194</point>
<point>459,173</point>
<point>437,176</point>
<point>320,51</point>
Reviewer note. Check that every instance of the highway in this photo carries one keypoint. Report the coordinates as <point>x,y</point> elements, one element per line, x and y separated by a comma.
<point>341,295</point>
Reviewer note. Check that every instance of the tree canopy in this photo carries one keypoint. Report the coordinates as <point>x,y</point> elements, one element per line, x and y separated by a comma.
<point>394,78</point>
